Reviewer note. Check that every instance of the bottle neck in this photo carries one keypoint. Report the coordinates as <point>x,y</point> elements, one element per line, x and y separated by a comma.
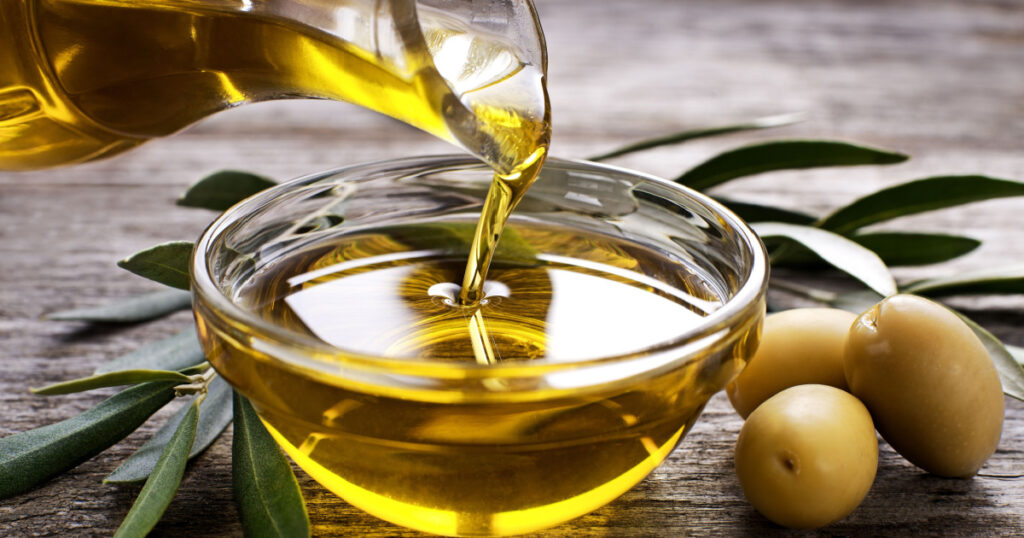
<point>475,70</point>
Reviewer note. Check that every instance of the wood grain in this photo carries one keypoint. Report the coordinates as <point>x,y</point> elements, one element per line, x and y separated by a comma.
<point>942,80</point>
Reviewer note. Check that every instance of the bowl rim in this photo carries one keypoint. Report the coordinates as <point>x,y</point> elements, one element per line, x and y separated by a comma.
<point>714,327</point>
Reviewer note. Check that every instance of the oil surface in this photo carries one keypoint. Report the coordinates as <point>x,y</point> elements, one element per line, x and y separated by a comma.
<point>377,295</point>
<point>458,465</point>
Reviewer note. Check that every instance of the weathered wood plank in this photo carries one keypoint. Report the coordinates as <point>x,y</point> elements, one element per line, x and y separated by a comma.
<point>942,80</point>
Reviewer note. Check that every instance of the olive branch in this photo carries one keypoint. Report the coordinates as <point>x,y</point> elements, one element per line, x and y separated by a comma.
<point>175,367</point>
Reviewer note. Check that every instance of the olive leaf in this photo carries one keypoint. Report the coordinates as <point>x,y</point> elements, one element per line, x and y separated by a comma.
<point>197,369</point>
<point>112,379</point>
<point>918,196</point>
<point>1016,352</point>
<point>166,263</point>
<point>265,488</point>
<point>1011,374</point>
<point>762,213</point>
<point>683,136</point>
<point>999,280</point>
<point>172,353</point>
<point>132,310</point>
<point>910,248</point>
<point>214,417</point>
<point>161,486</point>
<point>221,190</point>
<point>894,248</point>
<point>782,155</point>
<point>836,250</point>
<point>31,457</point>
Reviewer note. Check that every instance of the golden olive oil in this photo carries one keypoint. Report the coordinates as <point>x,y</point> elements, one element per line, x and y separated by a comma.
<point>492,455</point>
<point>82,79</point>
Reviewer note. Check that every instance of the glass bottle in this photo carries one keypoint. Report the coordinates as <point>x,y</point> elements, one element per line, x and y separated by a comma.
<point>84,79</point>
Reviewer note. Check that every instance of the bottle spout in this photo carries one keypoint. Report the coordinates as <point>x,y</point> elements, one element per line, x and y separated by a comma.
<point>492,57</point>
<point>476,67</point>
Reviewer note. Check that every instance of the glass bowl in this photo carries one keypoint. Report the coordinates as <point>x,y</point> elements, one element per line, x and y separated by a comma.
<point>651,300</point>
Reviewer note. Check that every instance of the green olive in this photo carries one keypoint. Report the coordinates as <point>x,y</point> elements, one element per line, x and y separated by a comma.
<point>930,385</point>
<point>807,456</point>
<point>798,347</point>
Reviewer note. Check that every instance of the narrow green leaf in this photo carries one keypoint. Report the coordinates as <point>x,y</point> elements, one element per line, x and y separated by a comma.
<point>762,213</point>
<point>782,155</point>
<point>172,353</point>
<point>267,493</point>
<point>990,281</point>
<point>683,136</point>
<point>31,457</point>
<point>895,249</point>
<point>221,190</point>
<point>161,486</point>
<point>197,369</point>
<point>113,379</point>
<point>132,310</point>
<point>1011,374</point>
<point>1017,353</point>
<point>906,248</point>
<point>166,263</point>
<point>918,197</point>
<point>214,416</point>
<point>836,250</point>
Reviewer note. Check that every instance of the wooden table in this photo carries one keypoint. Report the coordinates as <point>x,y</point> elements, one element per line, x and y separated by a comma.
<point>942,80</point>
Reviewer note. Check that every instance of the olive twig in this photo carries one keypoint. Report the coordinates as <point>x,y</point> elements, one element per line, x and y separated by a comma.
<point>198,385</point>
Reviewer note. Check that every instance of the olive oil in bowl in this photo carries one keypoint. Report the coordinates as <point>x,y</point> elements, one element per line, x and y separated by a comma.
<point>615,306</point>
